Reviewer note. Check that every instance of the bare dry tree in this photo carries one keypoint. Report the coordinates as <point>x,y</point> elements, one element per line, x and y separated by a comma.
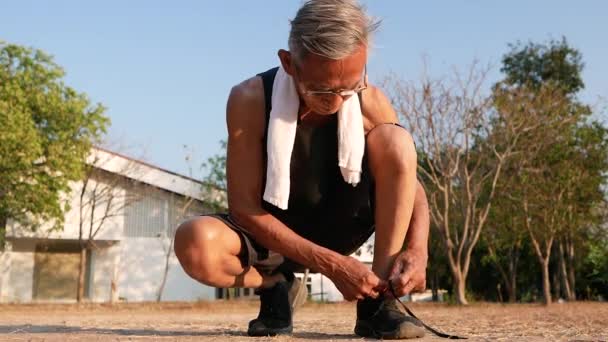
<point>460,159</point>
<point>184,207</point>
<point>103,195</point>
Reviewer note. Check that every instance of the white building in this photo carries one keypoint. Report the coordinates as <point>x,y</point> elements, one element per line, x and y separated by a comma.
<point>137,208</point>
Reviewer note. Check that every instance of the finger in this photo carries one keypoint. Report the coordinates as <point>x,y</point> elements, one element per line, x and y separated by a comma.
<point>396,269</point>
<point>407,289</point>
<point>373,294</point>
<point>382,286</point>
<point>402,280</point>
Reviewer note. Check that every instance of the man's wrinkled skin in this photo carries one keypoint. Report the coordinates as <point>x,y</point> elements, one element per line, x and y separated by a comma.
<point>208,249</point>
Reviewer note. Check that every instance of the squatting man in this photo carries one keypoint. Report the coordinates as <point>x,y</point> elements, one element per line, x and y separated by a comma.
<point>316,163</point>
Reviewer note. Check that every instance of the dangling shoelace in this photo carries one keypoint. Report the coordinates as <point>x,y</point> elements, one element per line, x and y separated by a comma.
<point>429,328</point>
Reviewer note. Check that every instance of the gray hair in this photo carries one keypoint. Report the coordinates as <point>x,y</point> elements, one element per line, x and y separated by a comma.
<point>330,28</point>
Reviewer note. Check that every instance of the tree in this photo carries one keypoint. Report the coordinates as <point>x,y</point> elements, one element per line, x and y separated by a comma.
<point>215,181</point>
<point>450,121</point>
<point>559,172</point>
<point>539,166</point>
<point>102,196</point>
<point>535,65</point>
<point>183,207</point>
<point>504,238</point>
<point>46,132</point>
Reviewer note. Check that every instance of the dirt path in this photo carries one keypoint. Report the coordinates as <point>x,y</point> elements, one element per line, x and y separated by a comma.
<point>223,321</point>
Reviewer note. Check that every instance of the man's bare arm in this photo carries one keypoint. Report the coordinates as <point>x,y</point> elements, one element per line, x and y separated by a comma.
<point>246,125</point>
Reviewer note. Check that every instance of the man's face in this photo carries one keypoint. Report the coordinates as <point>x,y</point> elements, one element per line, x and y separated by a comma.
<point>319,79</point>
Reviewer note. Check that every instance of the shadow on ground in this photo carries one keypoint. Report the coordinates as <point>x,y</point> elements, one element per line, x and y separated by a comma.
<point>61,329</point>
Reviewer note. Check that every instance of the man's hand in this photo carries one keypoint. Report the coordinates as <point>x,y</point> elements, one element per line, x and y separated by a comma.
<point>355,280</point>
<point>409,272</point>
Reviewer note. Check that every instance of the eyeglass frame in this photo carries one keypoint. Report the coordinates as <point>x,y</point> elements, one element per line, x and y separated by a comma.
<point>343,93</point>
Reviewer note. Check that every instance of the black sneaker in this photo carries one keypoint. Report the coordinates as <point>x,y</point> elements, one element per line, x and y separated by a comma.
<point>275,311</point>
<point>381,318</point>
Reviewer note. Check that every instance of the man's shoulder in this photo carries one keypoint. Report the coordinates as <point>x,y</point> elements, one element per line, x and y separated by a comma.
<point>246,107</point>
<point>377,108</point>
<point>249,91</point>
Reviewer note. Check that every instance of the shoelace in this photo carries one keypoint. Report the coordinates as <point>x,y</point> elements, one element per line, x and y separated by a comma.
<point>429,328</point>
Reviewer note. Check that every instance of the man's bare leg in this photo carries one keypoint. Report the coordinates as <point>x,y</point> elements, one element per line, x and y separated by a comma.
<point>392,160</point>
<point>208,251</point>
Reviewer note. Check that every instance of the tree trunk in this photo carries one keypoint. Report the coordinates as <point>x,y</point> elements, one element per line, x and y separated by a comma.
<point>499,293</point>
<point>114,284</point>
<point>512,289</point>
<point>564,272</point>
<point>511,286</point>
<point>571,270</point>
<point>81,273</point>
<point>163,282</point>
<point>434,287</point>
<point>556,284</point>
<point>460,289</point>
<point>546,282</point>
<point>3,222</point>
<point>511,282</point>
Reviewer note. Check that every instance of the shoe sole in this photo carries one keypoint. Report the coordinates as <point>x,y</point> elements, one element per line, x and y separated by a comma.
<point>404,331</point>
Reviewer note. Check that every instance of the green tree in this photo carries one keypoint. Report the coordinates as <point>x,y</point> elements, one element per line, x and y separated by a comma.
<point>215,184</point>
<point>536,65</point>
<point>46,131</point>
<point>558,170</point>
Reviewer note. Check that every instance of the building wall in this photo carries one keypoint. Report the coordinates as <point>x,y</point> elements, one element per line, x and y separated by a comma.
<point>5,268</point>
<point>112,226</point>
<point>323,289</point>
<point>103,267</point>
<point>18,272</point>
<point>142,264</point>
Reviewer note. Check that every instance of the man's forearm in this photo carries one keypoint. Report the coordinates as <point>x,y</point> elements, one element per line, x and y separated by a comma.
<point>276,236</point>
<point>417,236</point>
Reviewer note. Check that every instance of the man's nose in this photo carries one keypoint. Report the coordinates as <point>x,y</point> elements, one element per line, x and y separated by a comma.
<point>336,101</point>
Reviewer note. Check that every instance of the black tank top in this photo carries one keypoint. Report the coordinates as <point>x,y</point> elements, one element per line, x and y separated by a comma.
<point>322,206</point>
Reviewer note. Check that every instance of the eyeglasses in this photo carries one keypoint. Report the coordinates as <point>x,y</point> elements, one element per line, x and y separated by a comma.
<point>341,92</point>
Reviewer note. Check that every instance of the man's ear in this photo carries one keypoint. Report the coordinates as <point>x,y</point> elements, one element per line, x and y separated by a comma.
<point>287,61</point>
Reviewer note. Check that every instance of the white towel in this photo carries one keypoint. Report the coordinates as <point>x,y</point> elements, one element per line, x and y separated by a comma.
<point>281,136</point>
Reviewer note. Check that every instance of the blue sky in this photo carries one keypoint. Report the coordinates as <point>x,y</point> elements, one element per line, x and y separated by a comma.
<point>164,69</point>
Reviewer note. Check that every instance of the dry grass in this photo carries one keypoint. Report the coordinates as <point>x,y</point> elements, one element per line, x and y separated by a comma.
<point>222,321</point>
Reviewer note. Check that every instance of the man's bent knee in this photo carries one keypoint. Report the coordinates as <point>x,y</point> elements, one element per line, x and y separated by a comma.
<point>198,248</point>
<point>391,145</point>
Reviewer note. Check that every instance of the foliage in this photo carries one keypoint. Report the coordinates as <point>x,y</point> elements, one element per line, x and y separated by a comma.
<point>549,206</point>
<point>46,131</point>
<point>215,183</point>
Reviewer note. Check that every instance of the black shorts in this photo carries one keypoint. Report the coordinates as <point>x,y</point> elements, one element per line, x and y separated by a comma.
<point>252,254</point>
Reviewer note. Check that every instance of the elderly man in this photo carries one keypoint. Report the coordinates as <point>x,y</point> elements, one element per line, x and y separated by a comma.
<point>258,244</point>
